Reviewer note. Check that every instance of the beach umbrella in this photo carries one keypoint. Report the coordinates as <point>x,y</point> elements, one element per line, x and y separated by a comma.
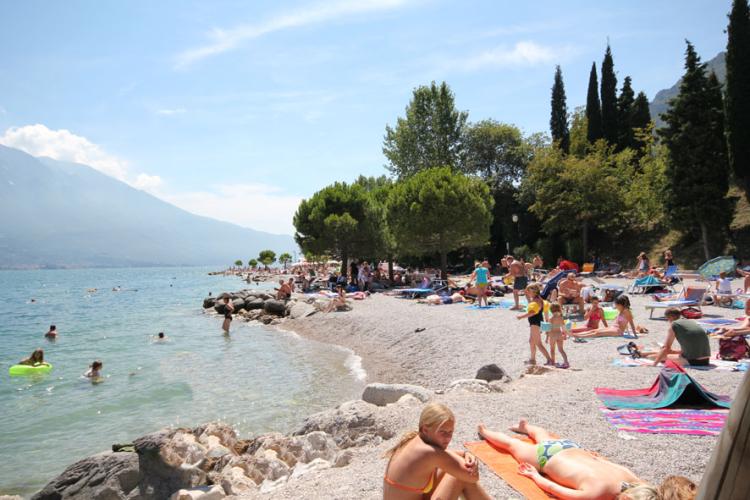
<point>717,265</point>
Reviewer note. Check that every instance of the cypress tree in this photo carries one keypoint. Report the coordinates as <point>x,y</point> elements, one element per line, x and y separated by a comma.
<point>625,135</point>
<point>640,117</point>
<point>558,122</point>
<point>697,168</point>
<point>738,92</point>
<point>593,109</point>
<point>609,98</point>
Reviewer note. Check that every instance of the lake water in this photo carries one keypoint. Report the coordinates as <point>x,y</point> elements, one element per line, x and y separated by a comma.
<point>256,379</point>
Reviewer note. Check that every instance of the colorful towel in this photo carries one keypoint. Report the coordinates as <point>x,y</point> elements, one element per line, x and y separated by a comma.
<point>504,465</point>
<point>691,422</point>
<point>716,364</point>
<point>476,306</point>
<point>672,387</point>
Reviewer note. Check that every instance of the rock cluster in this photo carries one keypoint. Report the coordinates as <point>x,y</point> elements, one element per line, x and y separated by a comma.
<point>257,305</point>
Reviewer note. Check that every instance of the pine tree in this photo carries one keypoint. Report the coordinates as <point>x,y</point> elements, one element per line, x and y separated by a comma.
<point>640,118</point>
<point>609,98</point>
<point>738,92</point>
<point>558,122</point>
<point>625,135</point>
<point>593,109</point>
<point>697,167</point>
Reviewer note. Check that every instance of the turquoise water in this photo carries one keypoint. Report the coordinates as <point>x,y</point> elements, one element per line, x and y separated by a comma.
<point>256,379</point>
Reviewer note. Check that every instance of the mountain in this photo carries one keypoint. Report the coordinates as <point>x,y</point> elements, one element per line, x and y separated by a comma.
<point>661,99</point>
<point>60,214</point>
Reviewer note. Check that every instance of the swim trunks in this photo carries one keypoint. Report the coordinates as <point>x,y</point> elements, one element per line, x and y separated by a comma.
<point>520,282</point>
<point>548,449</point>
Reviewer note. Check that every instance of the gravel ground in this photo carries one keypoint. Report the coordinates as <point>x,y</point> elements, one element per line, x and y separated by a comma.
<point>455,342</point>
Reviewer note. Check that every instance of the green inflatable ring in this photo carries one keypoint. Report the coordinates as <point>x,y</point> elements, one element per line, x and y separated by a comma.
<point>22,370</point>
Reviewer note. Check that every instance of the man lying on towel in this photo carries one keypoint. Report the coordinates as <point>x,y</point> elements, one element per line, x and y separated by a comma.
<point>571,472</point>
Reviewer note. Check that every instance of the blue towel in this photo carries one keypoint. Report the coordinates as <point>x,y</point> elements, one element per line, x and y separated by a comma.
<point>491,306</point>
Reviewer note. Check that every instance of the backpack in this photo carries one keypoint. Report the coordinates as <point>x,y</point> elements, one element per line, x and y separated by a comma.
<point>733,348</point>
<point>691,313</point>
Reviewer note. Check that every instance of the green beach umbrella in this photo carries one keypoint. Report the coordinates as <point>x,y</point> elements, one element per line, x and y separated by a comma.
<point>713,267</point>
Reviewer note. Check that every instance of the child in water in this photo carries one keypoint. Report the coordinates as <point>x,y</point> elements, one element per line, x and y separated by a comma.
<point>557,335</point>
<point>535,315</point>
<point>36,358</point>
<point>95,371</point>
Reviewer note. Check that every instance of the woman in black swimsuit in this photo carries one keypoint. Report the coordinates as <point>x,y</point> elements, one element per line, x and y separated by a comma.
<point>228,310</point>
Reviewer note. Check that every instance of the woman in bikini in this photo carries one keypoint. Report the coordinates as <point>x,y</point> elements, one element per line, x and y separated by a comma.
<point>616,329</point>
<point>570,472</point>
<point>420,466</point>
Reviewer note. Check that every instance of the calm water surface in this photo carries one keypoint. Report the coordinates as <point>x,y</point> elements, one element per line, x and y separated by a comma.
<point>256,379</point>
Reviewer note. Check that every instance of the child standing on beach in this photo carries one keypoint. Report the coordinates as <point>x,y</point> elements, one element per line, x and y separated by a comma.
<point>535,315</point>
<point>557,335</point>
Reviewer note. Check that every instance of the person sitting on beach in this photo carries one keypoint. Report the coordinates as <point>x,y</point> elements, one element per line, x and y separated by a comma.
<point>617,329</point>
<point>36,358</point>
<point>338,302</point>
<point>741,328</point>
<point>594,315</point>
<point>694,349</point>
<point>535,315</point>
<point>569,292</point>
<point>573,473</point>
<point>283,292</point>
<point>557,335</point>
<point>668,259</point>
<point>95,370</point>
<point>723,293</point>
<point>739,271</point>
<point>481,275</point>
<point>52,333</point>
<point>642,266</point>
<point>421,466</point>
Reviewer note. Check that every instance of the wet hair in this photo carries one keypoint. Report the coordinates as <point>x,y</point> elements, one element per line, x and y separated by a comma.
<point>37,356</point>
<point>624,301</point>
<point>52,327</point>
<point>640,492</point>
<point>96,365</point>
<point>434,415</point>
<point>161,335</point>
<point>555,308</point>
<point>677,488</point>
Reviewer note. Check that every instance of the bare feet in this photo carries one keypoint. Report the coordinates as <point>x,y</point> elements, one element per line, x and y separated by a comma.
<point>520,428</point>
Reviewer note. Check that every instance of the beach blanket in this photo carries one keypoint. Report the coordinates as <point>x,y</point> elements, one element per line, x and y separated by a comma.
<point>508,303</point>
<point>491,306</point>
<point>673,387</point>
<point>504,465</point>
<point>716,364</point>
<point>691,422</point>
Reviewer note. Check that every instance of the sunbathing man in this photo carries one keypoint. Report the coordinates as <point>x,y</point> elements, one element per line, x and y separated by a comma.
<point>570,472</point>
<point>518,272</point>
<point>695,349</point>
<point>569,292</point>
<point>284,291</point>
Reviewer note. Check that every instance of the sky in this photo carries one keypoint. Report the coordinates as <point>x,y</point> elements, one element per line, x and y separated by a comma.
<point>237,110</point>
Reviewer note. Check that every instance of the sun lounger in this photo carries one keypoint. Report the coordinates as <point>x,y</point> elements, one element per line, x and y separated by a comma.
<point>414,293</point>
<point>693,297</point>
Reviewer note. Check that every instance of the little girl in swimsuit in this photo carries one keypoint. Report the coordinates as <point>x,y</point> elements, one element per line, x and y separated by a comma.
<point>557,335</point>
<point>617,329</point>
<point>535,314</point>
<point>421,466</point>
<point>594,315</point>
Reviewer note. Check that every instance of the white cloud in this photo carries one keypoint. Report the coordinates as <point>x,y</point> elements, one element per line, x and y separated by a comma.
<point>38,140</point>
<point>257,206</point>
<point>223,40</point>
<point>169,112</point>
<point>520,54</point>
<point>148,183</point>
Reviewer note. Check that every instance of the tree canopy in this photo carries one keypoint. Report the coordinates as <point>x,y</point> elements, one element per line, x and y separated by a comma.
<point>610,129</point>
<point>593,109</point>
<point>267,257</point>
<point>558,122</point>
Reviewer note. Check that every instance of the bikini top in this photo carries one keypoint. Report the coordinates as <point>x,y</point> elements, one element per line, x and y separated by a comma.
<point>427,488</point>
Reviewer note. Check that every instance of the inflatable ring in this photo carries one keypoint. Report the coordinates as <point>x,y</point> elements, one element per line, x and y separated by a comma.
<point>22,370</point>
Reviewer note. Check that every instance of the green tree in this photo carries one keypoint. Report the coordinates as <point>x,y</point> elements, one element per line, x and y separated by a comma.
<point>558,122</point>
<point>645,196</point>
<point>252,262</point>
<point>238,263</point>
<point>267,257</point>
<point>430,135</point>
<point>378,189</point>
<point>497,152</point>
<point>339,220</point>
<point>579,143</point>
<point>626,134</point>
<point>697,168</point>
<point>438,211</point>
<point>640,119</point>
<point>610,130</point>
<point>593,109</point>
<point>738,93</point>
<point>285,259</point>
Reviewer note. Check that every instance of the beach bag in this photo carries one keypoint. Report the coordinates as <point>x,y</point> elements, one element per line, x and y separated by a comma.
<point>733,348</point>
<point>691,313</point>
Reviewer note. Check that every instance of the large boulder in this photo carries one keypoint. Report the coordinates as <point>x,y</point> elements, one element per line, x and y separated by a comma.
<point>106,476</point>
<point>253,303</point>
<point>353,423</point>
<point>492,372</point>
<point>301,310</point>
<point>209,302</point>
<point>273,306</point>
<point>384,394</point>
<point>238,303</point>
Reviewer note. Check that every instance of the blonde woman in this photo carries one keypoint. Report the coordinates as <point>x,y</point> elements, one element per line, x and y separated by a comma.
<point>420,465</point>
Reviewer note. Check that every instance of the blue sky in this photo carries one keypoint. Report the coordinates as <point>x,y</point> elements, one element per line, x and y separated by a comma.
<point>237,109</point>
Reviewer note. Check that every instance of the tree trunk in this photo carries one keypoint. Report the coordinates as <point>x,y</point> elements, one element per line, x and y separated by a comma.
<point>444,265</point>
<point>704,238</point>
<point>390,268</point>
<point>344,263</point>
<point>585,240</point>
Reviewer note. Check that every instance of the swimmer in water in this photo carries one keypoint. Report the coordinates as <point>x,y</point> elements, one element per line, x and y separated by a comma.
<point>52,333</point>
<point>95,371</point>
<point>36,358</point>
<point>160,337</point>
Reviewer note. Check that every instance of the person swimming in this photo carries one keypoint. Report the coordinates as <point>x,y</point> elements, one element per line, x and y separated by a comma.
<point>52,333</point>
<point>36,358</point>
<point>95,371</point>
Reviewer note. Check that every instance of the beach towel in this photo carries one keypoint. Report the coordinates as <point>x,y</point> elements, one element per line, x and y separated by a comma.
<point>673,387</point>
<point>715,364</point>
<point>504,465</point>
<point>691,422</point>
<point>490,306</point>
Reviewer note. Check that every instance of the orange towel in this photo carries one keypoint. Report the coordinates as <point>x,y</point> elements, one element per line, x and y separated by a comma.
<point>505,466</point>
